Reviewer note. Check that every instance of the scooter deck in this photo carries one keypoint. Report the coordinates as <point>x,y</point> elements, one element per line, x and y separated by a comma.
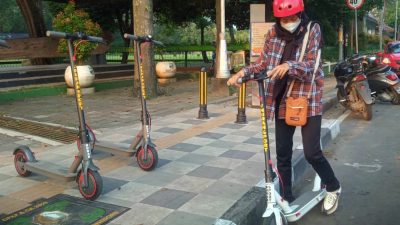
<point>120,149</point>
<point>51,170</point>
<point>304,203</point>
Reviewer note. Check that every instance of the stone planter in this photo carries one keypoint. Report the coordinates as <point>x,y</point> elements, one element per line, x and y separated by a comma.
<point>165,72</point>
<point>86,78</point>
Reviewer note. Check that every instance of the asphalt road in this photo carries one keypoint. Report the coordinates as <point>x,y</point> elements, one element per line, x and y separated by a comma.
<point>366,159</point>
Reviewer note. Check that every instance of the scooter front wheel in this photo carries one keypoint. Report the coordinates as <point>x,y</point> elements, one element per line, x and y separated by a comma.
<point>19,158</point>
<point>367,112</point>
<point>152,158</point>
<point>94,186</point>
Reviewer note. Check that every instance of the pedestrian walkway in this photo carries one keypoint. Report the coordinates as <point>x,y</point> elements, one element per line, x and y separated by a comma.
<point>205,166</point>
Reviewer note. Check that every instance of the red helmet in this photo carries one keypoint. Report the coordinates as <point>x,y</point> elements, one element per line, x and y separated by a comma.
<point>284,8</point>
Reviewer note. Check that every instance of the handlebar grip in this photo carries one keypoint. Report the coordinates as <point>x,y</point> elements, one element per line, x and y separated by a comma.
<point>158,43</point>
<point>56,34</point>
<point>130,36</point>
<point>245,79</point>
<point>96,39</point>
<point>4,44</point>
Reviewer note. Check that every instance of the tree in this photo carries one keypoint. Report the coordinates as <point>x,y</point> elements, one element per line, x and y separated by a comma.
<point>143,25</point>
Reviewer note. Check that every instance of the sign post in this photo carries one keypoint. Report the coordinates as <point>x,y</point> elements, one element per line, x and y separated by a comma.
<point>355,4</point>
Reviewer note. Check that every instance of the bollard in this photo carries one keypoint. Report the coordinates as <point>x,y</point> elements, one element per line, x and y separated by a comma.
<point>203,113</point>
<point>241,116</point>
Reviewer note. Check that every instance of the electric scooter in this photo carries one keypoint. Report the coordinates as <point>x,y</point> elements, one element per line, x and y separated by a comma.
<point>278,210</point>
<point>141,145</point>
<point>89,181</point>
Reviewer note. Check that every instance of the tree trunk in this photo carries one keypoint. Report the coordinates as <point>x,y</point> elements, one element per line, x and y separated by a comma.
<point>32,12</point>
<point>204,53</point>
<point>232,34</point>
<point>143,25</point>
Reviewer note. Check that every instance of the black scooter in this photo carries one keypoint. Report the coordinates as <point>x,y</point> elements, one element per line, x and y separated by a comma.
<point>384,83</point>
<point>354,92</point>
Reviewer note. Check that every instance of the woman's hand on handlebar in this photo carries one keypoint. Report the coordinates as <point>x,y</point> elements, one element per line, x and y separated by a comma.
<point>233,80</point>
<point>279,71</point>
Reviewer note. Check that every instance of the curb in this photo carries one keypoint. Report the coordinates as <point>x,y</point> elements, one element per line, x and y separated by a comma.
<point>250,207</point>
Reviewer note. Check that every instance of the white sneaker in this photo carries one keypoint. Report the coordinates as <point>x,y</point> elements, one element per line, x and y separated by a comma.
<point>331,201</point>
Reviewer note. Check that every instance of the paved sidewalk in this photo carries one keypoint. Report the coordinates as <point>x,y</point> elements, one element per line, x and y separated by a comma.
<point>205,166</point>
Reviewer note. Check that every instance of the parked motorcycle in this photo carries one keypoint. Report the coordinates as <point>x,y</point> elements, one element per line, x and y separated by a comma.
<point>383,81</point>
<point>354,92</point>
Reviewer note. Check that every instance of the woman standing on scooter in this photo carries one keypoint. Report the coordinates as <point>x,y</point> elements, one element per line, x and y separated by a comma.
<point>280,58</point>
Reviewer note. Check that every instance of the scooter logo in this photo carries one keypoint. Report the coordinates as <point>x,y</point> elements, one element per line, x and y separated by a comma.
<point>142,82</point>
<point>78,88</point>
<point>264,129</point>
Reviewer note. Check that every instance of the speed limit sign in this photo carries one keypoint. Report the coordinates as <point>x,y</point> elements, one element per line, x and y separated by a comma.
<point>355,4</point>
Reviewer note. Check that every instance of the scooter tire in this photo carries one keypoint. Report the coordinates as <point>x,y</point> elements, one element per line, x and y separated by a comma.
<point>95,185</point>
<point>367,113</point>
<point>20,156</point>
<point>396,97</point>
<point>343,103</point>
<point>152,158</point>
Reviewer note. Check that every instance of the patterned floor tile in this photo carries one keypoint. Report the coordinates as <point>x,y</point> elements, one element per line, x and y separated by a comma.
<point>211,135</point>
<point>236,154</point>
<point>157,178</point>
<point>133,192</point>
<point>185,147</point>
<point>223,162</point>
<point>227,190</point>
<point>190,184</point>
<point>184,218</point>
<point>169,130</point>
<point>211,151</point>
<point>209,172</point>
<point>169,198</point>
<point>110,184</point>
<point>178,167</point>
<point>143,214</point>
<point>207,205</point>
<point>196,158</point>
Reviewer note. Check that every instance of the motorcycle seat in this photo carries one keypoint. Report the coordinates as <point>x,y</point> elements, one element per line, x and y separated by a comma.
<point>377,69</point>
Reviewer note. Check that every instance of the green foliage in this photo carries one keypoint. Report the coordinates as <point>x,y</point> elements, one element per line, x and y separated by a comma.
<point>11,20</point>
<point>72,20</point>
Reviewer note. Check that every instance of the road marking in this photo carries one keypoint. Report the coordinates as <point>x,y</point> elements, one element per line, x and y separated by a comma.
<point>370,168</point>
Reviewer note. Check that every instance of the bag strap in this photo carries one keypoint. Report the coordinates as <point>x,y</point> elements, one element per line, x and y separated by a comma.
<point>303,49</point>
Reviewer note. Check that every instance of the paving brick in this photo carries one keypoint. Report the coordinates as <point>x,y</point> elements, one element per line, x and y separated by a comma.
<point>236,154</point>
<point>169,198</point>
<point>184,218</point>
<point>209,172</point>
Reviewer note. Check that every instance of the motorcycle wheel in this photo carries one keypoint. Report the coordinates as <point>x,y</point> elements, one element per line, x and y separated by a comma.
<point>396,97</point>
<point>367,112</point>
<point>344,103</point>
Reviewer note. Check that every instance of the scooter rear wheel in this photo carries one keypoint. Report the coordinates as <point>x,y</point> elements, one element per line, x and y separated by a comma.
<point>94,187</point>
<point>20,157</point>
<point>152,158</point>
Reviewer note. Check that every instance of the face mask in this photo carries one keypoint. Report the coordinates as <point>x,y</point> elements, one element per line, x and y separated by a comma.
<point>291,27</point>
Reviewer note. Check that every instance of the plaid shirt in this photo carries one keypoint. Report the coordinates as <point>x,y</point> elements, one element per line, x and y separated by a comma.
<point>300,72</point>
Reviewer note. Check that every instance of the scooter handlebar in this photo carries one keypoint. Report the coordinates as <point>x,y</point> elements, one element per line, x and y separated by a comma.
<point>4,44</point>
<point>75,36</point>
<point>146,38</point>
<point>255,77</point>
